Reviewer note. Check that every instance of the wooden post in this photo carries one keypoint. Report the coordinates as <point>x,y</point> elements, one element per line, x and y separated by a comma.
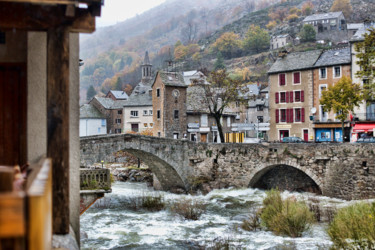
<point>58,124</point>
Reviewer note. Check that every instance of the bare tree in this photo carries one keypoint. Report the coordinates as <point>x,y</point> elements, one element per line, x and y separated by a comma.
<point>190,32</point>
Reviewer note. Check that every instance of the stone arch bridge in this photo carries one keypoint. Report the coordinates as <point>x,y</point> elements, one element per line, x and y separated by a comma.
<point>344,171</point>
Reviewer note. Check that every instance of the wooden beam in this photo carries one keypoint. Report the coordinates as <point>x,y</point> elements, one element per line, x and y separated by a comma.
<point>58,124</point>
<point>44,17</point>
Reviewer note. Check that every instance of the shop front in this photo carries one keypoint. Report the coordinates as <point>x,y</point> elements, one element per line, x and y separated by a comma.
<point>362,130</point>
<point>331,132</point>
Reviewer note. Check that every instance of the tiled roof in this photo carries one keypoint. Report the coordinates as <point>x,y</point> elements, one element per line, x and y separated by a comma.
<point>140,96</point>
<point>295,61</point>
<point>322,16</point>
<point>334,57</point>
<point>89,111</point>
<point>108,103</point>
<point>119,95</point>
<point>172,79</point>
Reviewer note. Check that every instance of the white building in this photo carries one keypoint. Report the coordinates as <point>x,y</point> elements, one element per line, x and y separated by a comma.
<point>91,121</point>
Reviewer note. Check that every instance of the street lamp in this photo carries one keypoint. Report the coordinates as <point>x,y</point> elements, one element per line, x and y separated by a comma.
<point>102,163</point>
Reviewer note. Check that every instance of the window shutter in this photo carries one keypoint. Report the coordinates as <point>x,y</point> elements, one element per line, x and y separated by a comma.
<point>282,79</point>
<point>287,115</point>
<point>303,114</point>
<point>291,96</point>
<point>287,97</point>
<point>302,96</point>
<point>291,116</point>
<point>277,116</point>
<point>277,97</point>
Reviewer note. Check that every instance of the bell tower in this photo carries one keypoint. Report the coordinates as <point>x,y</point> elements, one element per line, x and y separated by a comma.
<point>146,68</point>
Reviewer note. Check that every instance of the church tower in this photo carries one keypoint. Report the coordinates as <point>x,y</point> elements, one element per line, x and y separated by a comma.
<point>146,68</point>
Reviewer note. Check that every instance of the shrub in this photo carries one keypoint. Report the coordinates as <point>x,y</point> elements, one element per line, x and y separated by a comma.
<point>252,223</point>
<point>224,243</point>
<point>353,227</point>
<point>188,208</point>
<point>285,217</point>
<point>151,202</point>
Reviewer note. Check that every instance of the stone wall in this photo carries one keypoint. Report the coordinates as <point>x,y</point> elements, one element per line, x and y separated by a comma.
<point>344,171</point>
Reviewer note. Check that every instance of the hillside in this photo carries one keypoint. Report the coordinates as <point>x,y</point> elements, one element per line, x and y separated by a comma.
<point>113,54</point>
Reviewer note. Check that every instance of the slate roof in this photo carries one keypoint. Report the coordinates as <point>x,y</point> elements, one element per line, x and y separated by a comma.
<point>334,57</point>
<point>323,16</point>
<point>146,60</point>
<point>253,89</point>
<point>265,90</point>
<point>360,34</point>
<point>119,95</point>
<point>194,74</point>
<point>108,103</point>
<point>258,102</point>
<point>355,26</point>
<point>172,79</point>
<point>140,96</point>
<point>89,111</point>
<point>295,61</point>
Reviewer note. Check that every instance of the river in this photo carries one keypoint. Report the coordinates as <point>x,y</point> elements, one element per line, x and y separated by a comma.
<point>115,225</point>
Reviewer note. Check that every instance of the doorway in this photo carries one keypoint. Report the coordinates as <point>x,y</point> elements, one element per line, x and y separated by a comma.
<point>306,135</point>
<point>283,133</point>
<point>13,107</point>
<point>203,137</point>
<point>135,127</point>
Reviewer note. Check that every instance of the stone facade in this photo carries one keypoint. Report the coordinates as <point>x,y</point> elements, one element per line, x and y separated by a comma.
<point>169,105</point>
<point>114,116</point>
<point>345,171</point>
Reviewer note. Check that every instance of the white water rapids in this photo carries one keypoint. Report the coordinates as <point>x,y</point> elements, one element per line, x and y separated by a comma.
<point>116,226</point>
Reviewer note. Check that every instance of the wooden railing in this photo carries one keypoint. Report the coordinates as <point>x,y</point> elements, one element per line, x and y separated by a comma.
<point>92,179</point>
<point>26,216</point>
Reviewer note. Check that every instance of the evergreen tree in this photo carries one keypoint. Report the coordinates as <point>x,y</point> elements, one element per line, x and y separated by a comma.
<point>90,93</point>
<point>118,85</point>
<point>219,64</point>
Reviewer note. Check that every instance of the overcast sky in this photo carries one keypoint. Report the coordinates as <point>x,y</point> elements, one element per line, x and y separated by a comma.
<point>115,11</point>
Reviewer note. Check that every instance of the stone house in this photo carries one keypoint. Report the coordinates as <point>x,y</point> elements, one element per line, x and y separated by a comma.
<point>331,66</point>
<point>39,71</point>
<point>326,22</point>
<point>91,121</point>
<point>138,110</point>
<point>113,111</point>
<point>353,28</point>
<point>280,41</point>
<point>291,97</point>
<point>169,105</point>
<point>364,115</point>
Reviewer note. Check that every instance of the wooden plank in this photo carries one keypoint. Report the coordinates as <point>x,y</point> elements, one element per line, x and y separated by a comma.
<point>6,179</point>
<point>39,192</point>
<point>12,219</point>
<point>41,18</point>
<point>58,124</point>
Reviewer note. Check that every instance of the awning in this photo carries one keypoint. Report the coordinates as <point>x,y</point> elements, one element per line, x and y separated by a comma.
<point>363,127</point>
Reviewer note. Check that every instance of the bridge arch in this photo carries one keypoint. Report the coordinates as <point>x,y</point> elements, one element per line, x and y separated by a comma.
<point>287,176</point>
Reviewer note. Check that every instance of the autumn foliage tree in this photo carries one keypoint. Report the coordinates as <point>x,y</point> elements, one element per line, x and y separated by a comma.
<point>228,44</point>
<point>307,8</point>
<point>342,98</point>
<point>344,6</point>
<point>366,60</point>
<point>256,39</point>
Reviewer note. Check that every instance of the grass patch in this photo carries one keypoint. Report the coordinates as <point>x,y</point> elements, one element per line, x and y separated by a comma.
<point>188,208</point>
<point>353,227</point>
<point>225,243</point>
<point>285,217</point>
<point>149,201</point>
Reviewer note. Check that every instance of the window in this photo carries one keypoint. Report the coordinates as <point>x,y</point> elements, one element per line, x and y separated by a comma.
<point>145,125</point>
<point>150,112</point>
<point>145,112</point>
<point>134,113</point>
<point>157,92</point>
<point>282,97</point>
<point>259,107</point>
<point>297,113</point>
<point>260,118</point>
<point>175,135</point>
<point>2,37</point>
<point>158,115</point>
<point>103,122</point>
<point>98,130</point>
<point>322,87</point>
<point>119,112</point>
<point>118,131</point>
<point>159,134</point>
<point>337,71</point>
<point>151,125</point>
<point>204,120</point>
<point>175,114</point>
<point>297,77</point>
<point>282,115</point>
<point>297,96</point>
<point>118,121</point>
<point>281,79</point>
<point>193,137</point>
<point>228,121</point>
<point>237,104</point>
<point>323,73</point>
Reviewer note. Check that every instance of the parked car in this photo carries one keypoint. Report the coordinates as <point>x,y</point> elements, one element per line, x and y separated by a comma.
<point>366,140</point>
<point>293,139</point>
